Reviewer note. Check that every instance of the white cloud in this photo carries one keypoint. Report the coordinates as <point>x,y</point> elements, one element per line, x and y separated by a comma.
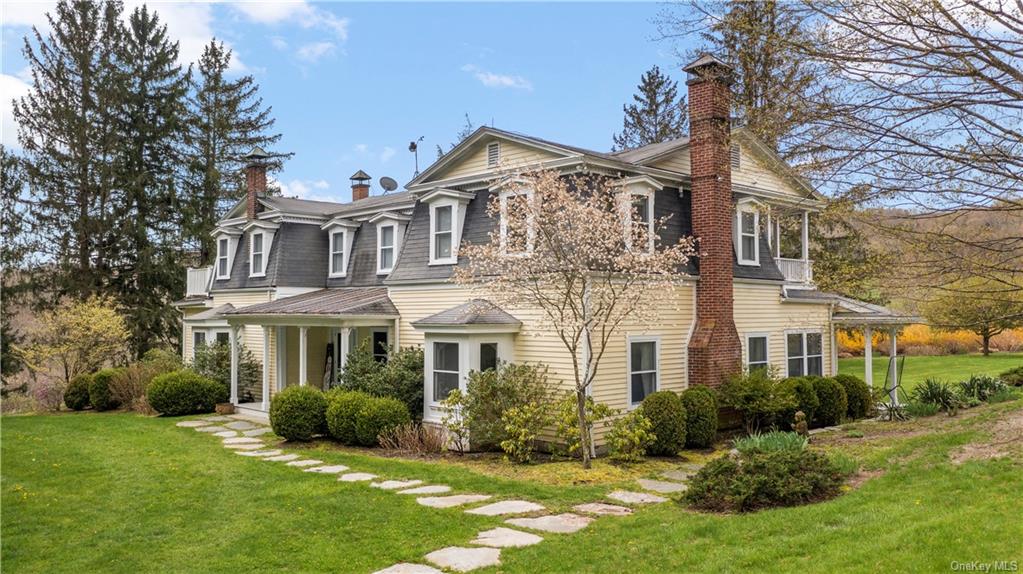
<point>278,43</point>
<point>296,12</point>
<point>305,189</point>
<point>500,81</point>
<point>361,148</point>
<point>12,88</point>
<point>191,24</point>
<point>387,154</point>
<point>315,51</point>
<point>26,14</point>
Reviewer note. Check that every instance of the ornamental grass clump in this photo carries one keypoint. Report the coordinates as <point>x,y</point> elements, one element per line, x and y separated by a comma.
<point>771,442</point>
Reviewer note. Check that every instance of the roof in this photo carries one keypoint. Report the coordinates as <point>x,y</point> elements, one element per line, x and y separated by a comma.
<point>705,59</point>
<point>651,151</point>
<point>210,314</point>
<point>474,312</point>
<point>192,301</point>
<point>359,175</point>
<point>853,311</point>
<point>301,206</point>
<point>344,301</point>
<point>374,202</point>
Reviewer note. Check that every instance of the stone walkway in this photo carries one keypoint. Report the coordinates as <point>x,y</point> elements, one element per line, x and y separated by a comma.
<point>243,436</point>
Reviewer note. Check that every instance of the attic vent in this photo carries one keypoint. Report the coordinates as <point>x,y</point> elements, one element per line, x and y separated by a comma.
<point>493,154</point>
<point>735,154</point>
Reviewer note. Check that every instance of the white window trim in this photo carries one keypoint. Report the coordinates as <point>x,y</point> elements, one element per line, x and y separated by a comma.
<point>767,348</point>
<point>226,256</point>
<point>806,356</point>
<point>393,247</point>
<point>453,258</point>
<point>747,207</point>
<point>261,272</point>
<point>462,371</point>
<point>333,249</point>
<point>530,227</point>
<point>656,339</point>
<point>626,201</point>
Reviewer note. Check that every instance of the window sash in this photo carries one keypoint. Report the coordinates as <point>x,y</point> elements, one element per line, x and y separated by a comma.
<point>488,356</point>
<point>446,372</point>
<point>222,260</point>
<point>747,236</point>
<point>385,255</point>
<point>337,252</point>
<point>756,352</point>
<point>442,245</point>
<point>643,370</point>
<point>257,253</point>
<point>805,354</point>
<point>198,339</point>
<point>443,232</point>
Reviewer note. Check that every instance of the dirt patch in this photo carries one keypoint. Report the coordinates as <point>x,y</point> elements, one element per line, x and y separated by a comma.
<point>861,477</point>
<point>1006,437</point>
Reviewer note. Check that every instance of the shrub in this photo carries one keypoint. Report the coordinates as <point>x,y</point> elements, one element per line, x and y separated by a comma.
<point>771,442</point>
<point>522,424</point>
<point>342,408</point>
<point>758,396</point>
<point>920,410</point>
<point>76,396</point>
<point>100,394</point>
<point>757,480</point>
<point>806,399</point>
<point>1003,396</point>
<point>489,394</point>
<point>454,423</point>
<point>701,416</point>
<point>833,402</point>
<point>567,427</point>
<point>162,360</point>
<point>630,437</point>
<point>981,387</point>
<point>858,394</point>
<point>401,377</point>
<point>213,361</point>
<point>1013,377</point>
<point>129,386</point>
<point>377,416</point>
<point>48,394</point>
<point>937,393</point>
<point>668,417</point>
<point>298,412</point>
<point>184,392</point>
<point>414,438</point>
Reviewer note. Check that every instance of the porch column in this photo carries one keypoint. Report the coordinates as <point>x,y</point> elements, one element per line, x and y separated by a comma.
<point>834,351</point>
<point>303,360</point>
<point>868,356</point>
<point>266,367</point>
<point>397,337</point>
<point>234,364</point>
<point>770,230</point>
<point>777,238</point>
<point>893,367</point>
<point>806,246</point>
<point>346,334</point>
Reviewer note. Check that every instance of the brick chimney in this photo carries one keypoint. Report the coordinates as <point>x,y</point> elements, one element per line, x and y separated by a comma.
<point>714,350</point>
<point>360,185</point>
<point>255,179</point>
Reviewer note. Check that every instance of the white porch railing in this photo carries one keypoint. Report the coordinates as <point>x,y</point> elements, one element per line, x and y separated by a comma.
<point>198,281</point>
<point>796,270</point>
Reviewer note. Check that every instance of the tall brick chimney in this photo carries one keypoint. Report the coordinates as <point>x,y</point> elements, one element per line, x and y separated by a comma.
<point>360,185</point>
<point>255,179</point>
<point>714,350</point>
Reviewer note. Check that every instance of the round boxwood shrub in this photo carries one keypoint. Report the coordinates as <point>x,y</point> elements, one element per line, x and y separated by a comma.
<point>297,413</point>
<point>701,416</point>
<point>802,388</point>
<point>184,392</point>
<point>76,396</point>
<point>99,390</point>
<point>833,401</point>
<point>857,394</point>
<point>378,415</point>
<point>342,409</point>
<point>668,416</point>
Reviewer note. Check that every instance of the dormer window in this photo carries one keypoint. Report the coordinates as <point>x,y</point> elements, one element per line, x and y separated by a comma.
<point>257,259</point>
<point>747,241</point>
<point>641,221</point>
<point>517,233</point>
<point>340,236</point>
<point>493,154</point>
<point>223,260</point>
<point>385,248</point>
<point>447,215</point>
<point>441,222</point>
<point>338,265</point>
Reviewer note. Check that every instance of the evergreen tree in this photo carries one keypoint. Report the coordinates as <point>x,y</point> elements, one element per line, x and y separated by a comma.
<point>227,119</point>
<point>658,114</point>
<point>13,253</point>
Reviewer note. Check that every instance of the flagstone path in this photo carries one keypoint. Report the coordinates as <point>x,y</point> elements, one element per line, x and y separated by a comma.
<point>243,435</point>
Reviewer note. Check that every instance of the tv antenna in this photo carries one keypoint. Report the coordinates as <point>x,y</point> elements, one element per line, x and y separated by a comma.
<point>388,183</point>
<point>413,146</point>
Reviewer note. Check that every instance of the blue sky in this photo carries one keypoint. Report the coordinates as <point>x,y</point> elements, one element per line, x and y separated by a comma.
<point>352,84</point>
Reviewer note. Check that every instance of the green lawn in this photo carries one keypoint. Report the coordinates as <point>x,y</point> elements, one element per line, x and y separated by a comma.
<point>124,493</point>
<point>952,368</point>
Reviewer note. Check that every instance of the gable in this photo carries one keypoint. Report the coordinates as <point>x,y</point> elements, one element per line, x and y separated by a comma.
<point>513,155</point>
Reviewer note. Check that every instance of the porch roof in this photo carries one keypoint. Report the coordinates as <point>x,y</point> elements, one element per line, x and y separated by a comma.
<point>474,312</point>
<point>356,301</point>
<point>849,311</point>
<point>211,314</point>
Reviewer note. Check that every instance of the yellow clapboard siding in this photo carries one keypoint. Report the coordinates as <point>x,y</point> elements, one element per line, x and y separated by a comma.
<point>759,309</point>
<point>513,155</point>
<point>751,172</point>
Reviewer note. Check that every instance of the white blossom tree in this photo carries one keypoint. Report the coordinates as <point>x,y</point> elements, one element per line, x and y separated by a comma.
<point>584,252</point>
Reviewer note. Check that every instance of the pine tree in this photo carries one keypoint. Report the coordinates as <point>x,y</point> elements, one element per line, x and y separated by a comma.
<point>227,119</point>
<point>657,115</point>
<point>13,254</point>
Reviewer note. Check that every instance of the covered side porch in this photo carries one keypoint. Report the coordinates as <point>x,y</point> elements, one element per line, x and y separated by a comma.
<point>306,339</point>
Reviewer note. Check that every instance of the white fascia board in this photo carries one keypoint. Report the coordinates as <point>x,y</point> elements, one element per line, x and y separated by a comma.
<point>467,329</point>
<point>390,216</point>
<point>257,224</point>
<point>462,197</point>
<point>222,230</point>
<point>340,222</point>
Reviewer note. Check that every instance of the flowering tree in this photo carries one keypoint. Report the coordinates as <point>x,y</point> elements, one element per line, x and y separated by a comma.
<point>584,252</point>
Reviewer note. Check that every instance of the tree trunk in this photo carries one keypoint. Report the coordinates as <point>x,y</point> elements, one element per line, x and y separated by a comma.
<point>584,431</point>
<point>986,339</point>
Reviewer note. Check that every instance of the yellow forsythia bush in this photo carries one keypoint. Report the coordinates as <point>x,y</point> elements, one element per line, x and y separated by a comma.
<point>923,340</point>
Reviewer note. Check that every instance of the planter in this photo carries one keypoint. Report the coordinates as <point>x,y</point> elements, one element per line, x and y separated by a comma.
<point>225,409</point>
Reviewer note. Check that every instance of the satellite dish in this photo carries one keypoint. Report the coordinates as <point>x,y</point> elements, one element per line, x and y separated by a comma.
<point>388,184</point>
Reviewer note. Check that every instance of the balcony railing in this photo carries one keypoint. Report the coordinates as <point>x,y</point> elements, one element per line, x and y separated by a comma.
<point>198,281</point>
<point>796,270</point>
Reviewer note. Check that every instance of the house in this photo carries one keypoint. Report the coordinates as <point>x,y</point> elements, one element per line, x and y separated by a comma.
<point>300,283</point>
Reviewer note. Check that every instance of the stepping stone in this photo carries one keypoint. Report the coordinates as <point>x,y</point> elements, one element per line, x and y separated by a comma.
<point>241,425</point>
<point>193,424</point>
<point>305,462</point>
<point>212,428</point>
<point>680,475</point>
<point>409,568</point>
<point>256,446</point>
<point>356,477</point>
<point>636,497</point>
<point>242,440</point>
<point>450,501</point>
<point>431,489</point>
<point>506,538</point>
<point>274,452</point>
<point>257,431</point>
<point>661,486</point>
<point>329,469</point>
<point>465,559</point>
<point>218,419</point>
<point>507,507</point>
<point>566,523</point>
<point>226,434</point>
<point>395,484</point>
<point>282,458</point>
<point>602,509</point>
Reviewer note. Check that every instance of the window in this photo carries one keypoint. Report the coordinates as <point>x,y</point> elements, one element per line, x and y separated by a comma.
<point>223,337</point>
<point>805,353</point>
<point>641,228</point>
<point>488,356</point>
<point>337,254</point>
<point>380,346</point>
<point>748,245</point>
<point>516,223</point>
<point>385,248</point>
<point>198,339</point>
<point>256,260</point>
<point>443,231</point>
<point>756,352</point>
<point>735,155</point>
<point>493,154</point>
<point>223,264</point>
<point>642,369</point>
<point>445,370</point>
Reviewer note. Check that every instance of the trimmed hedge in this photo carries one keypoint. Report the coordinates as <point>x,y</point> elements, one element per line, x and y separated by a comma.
<point>100,395</point>
<point>298,413</point>
<point>834,402</point>
<point>342,408</point>
<point>857,394</point>
<point>377,416</point>
<point>668,416</point>
<point>802,388</point>
<point>76,396</point>
<point>701,416</point>
<point>184,392</point>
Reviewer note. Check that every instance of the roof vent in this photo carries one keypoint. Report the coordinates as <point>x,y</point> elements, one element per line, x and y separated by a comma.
<point>493,154</point>
<point>735,154</point>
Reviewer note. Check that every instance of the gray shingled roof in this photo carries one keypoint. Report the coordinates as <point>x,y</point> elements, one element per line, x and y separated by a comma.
<point>214,313</point>
<point>344,301</point>
<point>644,153</point>
<point>377,202</point>
<point>302,206</point>
<point>474,312</point>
